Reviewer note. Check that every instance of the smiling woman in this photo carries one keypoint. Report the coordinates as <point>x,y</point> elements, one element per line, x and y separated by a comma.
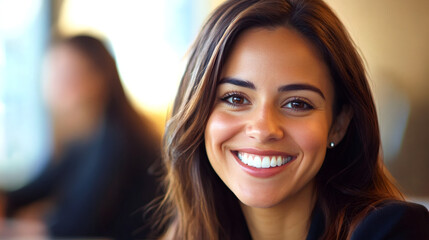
<point>280,115</point>
<point>274,133</point>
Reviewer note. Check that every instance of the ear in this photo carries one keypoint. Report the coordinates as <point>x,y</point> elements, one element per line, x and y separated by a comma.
<point>339,126</point>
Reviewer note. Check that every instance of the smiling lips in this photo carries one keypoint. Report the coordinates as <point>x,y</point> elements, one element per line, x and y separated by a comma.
<point>263,161</point>
<point>262,164</point>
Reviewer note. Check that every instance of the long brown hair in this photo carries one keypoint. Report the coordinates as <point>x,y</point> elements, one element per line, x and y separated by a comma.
<point>351,181</point>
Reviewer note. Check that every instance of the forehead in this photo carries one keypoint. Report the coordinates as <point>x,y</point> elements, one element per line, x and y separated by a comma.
<point>64,54</point>
<point>276,55</point>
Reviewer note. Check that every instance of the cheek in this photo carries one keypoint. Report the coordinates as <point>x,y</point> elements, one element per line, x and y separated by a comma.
<point>220,128</point>
<point>311,136</point>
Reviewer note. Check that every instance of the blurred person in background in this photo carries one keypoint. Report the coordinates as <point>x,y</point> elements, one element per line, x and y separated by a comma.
<point>101,171</point>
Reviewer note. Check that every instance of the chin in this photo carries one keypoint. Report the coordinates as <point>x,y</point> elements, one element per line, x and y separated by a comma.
<point>258,204</point>
<point>259,199</point>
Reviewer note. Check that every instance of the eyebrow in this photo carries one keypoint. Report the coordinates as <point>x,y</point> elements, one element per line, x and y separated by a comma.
<point>238,82</point>
<point>285,88</point>
<point>296,87</point>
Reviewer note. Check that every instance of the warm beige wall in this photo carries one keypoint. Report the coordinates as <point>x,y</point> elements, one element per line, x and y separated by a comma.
<point>393,36</point>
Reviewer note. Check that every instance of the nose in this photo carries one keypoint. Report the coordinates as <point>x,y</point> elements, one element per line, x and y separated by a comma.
<point>264,125</point>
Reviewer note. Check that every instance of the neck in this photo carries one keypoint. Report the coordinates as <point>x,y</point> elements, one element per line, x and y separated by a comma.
<point>289,219</point>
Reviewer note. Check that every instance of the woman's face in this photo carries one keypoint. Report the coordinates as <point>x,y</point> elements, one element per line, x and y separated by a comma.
<point>268,133</point>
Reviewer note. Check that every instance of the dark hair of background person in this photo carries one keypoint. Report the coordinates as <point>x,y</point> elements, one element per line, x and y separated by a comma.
<point>352,179</point>
<point>123,158</point>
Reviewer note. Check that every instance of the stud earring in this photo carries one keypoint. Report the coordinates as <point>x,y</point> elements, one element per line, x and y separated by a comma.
<point>332,144</point>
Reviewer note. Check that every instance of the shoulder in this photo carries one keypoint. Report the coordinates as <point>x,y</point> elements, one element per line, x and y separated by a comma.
<point>394,220</point>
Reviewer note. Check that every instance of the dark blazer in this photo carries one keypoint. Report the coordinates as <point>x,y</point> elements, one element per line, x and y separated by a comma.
<point>98,186</point>
<point>393,220</point>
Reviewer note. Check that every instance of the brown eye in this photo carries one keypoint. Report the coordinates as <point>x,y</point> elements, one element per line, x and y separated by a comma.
<point>236,100</point>
<point>298,105</point>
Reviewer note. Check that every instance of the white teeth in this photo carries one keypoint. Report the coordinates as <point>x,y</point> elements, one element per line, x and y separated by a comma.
<point>266,162</point>
<point>257,162</point>
<point>250,160</point>
<point>273,161</point>
<point>263,161</point>
<point>244,158</point>
<point>279,161</point>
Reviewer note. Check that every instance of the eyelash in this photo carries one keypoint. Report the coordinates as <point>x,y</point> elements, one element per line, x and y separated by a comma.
<point>299,100</point>
<point>224,98</point>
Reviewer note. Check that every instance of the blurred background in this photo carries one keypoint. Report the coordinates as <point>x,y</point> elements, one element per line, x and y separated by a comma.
<point>393,38</point>
<point>149,40</point>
